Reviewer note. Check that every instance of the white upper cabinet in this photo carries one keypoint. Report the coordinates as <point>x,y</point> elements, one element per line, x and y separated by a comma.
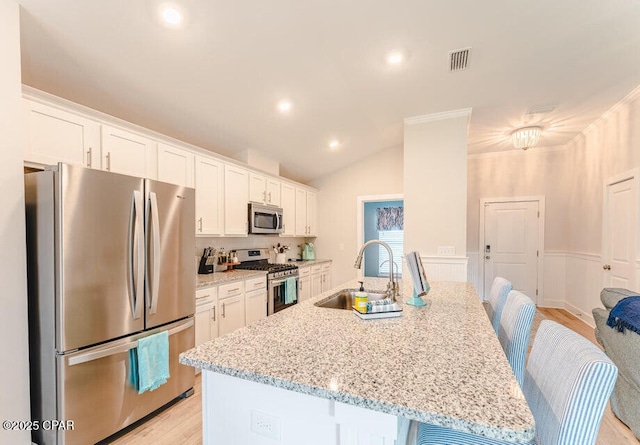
<point>128,153</point>
<point>236,200</point>
<point>306,213</point>
<point>209,179</point>
<point>288,204</point>
<point>175,165</point>
<point>273,192</point>
<point>264,189</point>
<point>257,188</point>
<point>301,212</point>
<point>312,217</point>
<point>53,136</point>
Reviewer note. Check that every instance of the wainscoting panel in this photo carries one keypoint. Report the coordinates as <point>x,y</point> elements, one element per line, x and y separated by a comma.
<point>473,272</point>
<point>440,268</point>
<point>554,279</point>
<point>583,284</point>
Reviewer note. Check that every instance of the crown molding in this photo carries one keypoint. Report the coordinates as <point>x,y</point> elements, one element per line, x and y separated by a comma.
<point>462,112</point>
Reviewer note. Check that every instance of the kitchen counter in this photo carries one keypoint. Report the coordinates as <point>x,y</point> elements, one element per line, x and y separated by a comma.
<point>441,364</point>
<point>213,279</point>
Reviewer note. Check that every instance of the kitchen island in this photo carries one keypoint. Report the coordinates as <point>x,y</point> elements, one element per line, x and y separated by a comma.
<point>315,375</point>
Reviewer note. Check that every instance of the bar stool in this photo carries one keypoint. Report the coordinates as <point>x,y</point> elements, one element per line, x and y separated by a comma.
<point>497,298</point>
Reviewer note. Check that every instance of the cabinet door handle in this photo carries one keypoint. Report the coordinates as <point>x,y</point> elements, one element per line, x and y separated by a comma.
<point>222,310</point>
<point>606,267</point>
<point>109,161</point>
<point>269,196</point>
<point>89,157</point>
<point>214,314</point>
<point>264,196</point>
<point>200,223</point>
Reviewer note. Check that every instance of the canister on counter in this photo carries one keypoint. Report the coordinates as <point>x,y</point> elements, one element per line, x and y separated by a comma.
<point>360,301</point>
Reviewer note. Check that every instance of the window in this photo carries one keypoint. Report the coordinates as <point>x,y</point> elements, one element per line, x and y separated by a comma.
<point>395,240</point>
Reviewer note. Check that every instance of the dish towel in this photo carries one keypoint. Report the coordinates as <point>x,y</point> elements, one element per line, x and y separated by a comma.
<point>290,290</point>
<point>150,362</point>
<point>626,315</point>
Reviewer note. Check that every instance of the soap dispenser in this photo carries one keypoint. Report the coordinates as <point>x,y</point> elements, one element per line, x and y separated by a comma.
<point>361,299</point>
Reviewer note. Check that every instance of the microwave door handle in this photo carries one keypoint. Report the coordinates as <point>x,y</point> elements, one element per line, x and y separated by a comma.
<point>277,221</point>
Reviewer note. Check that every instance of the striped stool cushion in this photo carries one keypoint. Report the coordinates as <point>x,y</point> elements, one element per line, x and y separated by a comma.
<point>515,329</point>
<point>497,298</point>
<point>567,384</point>
<point>437,435</point>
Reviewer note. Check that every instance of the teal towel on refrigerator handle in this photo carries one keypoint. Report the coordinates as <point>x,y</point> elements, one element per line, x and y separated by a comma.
<point>150,362</point>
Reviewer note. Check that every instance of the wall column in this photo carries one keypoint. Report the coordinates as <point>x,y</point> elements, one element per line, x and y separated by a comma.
<point>14,365</point>
<point>435,192</point>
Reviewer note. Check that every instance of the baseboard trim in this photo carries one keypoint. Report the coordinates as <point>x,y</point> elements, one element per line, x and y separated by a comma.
<point>554,304</point>
<point>587,318</point>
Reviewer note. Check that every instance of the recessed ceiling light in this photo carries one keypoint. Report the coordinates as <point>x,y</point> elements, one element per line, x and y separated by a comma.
<point>395,58</point>
<point>334,144</point>
<point>284,106</point>
<point>171,15</point>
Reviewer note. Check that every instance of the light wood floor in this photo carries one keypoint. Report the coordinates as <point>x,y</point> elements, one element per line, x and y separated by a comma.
<point>182,423</point>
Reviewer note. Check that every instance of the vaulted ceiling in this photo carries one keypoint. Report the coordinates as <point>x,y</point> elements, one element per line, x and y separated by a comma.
<point>215,80</point>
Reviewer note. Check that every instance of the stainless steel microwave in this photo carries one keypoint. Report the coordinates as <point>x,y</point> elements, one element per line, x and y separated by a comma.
<point>264,219</point>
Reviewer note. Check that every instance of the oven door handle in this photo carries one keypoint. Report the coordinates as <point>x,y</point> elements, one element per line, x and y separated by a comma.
<point>279,281</point>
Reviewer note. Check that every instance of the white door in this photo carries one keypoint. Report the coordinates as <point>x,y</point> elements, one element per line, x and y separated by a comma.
<point>312,204</point>
<point>511,245</point>
<point>257,188</point>
<point>620,238</point>
<point>273,192</point>
<point>255,306</point>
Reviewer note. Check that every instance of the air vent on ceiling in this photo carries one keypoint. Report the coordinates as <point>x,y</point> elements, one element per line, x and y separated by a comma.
<point>543,109</point>
<point>459,59</point>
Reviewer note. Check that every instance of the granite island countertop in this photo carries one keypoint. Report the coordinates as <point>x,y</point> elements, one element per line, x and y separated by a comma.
<point>440,364</point>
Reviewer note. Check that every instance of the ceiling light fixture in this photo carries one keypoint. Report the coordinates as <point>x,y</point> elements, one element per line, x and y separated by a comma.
<point>334,144</point>
<point>395,58</point>
<point>526,137</point>
<point>171,16</point>
<point>284,106</point>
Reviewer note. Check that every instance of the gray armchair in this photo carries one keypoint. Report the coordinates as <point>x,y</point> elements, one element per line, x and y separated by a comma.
<point>624,350</point>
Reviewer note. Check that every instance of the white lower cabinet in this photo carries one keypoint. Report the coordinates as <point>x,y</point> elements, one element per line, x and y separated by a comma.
<point>231,307</point>
<point>206,317</point>
<point>325,277</point>
<point>316,280</point>
<point>304,283</point>
<point>255,299</point>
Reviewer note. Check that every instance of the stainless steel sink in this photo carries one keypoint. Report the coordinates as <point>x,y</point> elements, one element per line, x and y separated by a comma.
<point>344,299</point>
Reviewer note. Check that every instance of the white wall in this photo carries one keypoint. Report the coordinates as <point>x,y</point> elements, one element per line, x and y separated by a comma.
<point>14,365</point>
<point>571,178</point>
<point>379,174</point>
<point>435,182</point>
<point>607,148</point>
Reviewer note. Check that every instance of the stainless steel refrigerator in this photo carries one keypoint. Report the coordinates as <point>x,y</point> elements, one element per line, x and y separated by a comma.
<point>110,260</point>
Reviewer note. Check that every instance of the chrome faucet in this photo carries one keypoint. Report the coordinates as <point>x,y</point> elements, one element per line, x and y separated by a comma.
<point>392,287</point>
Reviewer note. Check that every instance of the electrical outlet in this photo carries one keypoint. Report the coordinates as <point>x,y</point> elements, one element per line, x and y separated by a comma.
<point>265,425</point>
<point>446,250</point>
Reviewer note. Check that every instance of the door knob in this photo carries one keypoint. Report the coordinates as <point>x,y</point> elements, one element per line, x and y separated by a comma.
<point>487,257</point>
<point>606,267</point>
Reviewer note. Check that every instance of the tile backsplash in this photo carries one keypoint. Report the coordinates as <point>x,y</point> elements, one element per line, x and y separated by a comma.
<point>253,242</point>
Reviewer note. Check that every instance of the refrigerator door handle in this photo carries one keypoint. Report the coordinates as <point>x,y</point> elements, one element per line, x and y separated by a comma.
<point>136,252</point>
<point>154,234</point>
<point>105,352</point>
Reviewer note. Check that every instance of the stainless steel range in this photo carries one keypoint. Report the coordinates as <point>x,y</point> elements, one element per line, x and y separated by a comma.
<point>282,279</point>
